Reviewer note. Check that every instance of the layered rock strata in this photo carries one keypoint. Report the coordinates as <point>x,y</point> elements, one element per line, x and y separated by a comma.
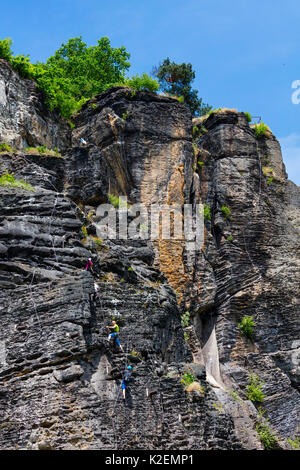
<point>60,377</point>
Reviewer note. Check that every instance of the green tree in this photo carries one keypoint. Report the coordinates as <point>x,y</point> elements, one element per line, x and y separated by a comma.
<point>176,79</point>
<point>5,49</point>
<point>77,72</point>
<point>74,73</point>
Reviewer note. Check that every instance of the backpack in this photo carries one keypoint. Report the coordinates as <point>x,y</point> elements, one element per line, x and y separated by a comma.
<point>127,376</point>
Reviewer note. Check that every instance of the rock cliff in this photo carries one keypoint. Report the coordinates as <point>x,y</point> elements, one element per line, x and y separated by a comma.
<point>59,376</point>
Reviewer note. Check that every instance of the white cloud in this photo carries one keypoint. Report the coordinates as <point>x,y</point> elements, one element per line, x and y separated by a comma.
<point>290,147</point>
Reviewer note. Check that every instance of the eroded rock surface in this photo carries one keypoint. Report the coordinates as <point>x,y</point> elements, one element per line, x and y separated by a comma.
<point>59,376</point>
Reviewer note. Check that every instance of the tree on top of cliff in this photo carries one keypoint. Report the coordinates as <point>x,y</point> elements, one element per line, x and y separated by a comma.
<point>74,73</point>
<point>176,79</point>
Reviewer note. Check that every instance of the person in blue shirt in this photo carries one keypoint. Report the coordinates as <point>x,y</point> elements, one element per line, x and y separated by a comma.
<point>126,380</point>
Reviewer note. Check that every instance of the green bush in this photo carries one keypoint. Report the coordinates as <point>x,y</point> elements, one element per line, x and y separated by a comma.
<point>22,65</point>
<point>9,180</point>
<point>42,149</point>
<point>142,83</point>
<point>246,326</point>
<point>265,435</point>
<point>295,443</point>
<point>195,131</point>
<point>248,116</point>
<point>4,147</point>
<point>117,202</point>
<point>254,389</point>
<point>207,214</point>
<point>187,379</point>
<point>185,319</point>
<point>5,49</point>
<point>261,130</point>
<point>125,115</point>
<point>226,211</point>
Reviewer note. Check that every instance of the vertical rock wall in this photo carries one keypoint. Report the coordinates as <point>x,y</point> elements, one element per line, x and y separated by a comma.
<point>59,376</point>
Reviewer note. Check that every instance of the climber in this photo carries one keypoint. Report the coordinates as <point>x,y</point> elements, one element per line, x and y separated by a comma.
<point>115,334</point>
<point>126,380</point>
<point>83,141</point>
<point>95,294</point>
<point>89,265</point>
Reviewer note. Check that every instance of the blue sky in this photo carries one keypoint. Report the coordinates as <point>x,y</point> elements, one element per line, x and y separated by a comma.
<point>246,54</point>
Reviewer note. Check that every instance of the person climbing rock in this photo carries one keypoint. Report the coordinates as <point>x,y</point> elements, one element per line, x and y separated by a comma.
<point>89,265</point>
<point>95,294</point>
<point>126,380</point>
<point>115,334</point>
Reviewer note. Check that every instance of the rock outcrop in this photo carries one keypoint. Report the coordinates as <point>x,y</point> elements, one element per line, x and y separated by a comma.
<point>60,377</point>
<point>24,118</point>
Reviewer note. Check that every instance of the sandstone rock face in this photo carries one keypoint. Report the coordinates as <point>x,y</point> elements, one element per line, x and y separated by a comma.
<point>24,118</point>
<point>60,377</point>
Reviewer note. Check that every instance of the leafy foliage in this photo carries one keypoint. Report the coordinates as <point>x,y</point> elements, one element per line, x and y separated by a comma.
<point>248,116</point>
<point>261,130</point>
<point>5,49</point>
<point>188,379</point>
<point>125,115</point>
<point>246,326</point>
<point>4,147</point>
<point>42,150</point>
<point>142,83</point>
<point>207,214</point>
<point>265,435</point>
<point>226,211</point>
<point>176,79</point>
<point>97,240</point>
<point>9,180</point>
<point>84,231</point>
<point>117,201</point>
<point>195,131</point>
<point>294,443</point>
<point>185,319</point>
<point>74,73</point>
<point>254,389</point>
